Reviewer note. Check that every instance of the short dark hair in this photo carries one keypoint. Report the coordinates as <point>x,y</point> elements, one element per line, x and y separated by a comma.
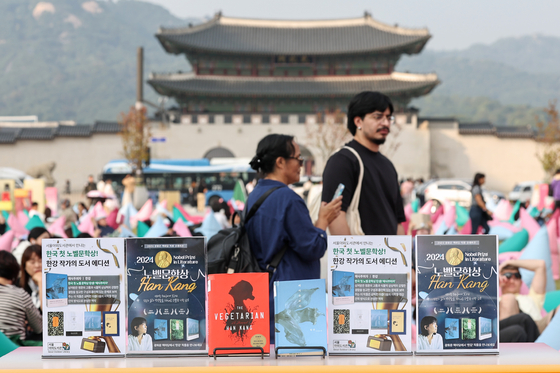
<point>137,321</point>
<point>426,321</point>
<point>364,103</point>
<point>36,232</point>
<point>27,254</point>
<point>34,204</point>
<point>9,267</point>
<point>269,149</point>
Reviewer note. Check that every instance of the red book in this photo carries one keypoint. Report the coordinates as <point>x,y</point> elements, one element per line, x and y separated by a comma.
<point>238,312</point>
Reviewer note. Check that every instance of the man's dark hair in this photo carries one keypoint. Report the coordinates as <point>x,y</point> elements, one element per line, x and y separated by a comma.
<point>364,103</point>
<point>34,204</point>
<point>269,149</point>
<point>36,232</point>
<point>9,267</point>
<point>137,321</point>
<point>426,321</point>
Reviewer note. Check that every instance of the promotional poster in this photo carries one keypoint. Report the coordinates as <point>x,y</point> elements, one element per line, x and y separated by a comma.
<point>166,288</point>
<point>301,316</point>
<point>457,301</point>
<point>83,297</point>
<point>238,313</point>
<point>369,293</point>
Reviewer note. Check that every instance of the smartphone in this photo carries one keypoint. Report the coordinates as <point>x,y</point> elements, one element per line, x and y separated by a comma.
<point>338,191</point>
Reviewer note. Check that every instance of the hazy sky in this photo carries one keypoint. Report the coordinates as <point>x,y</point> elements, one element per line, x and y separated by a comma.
<point>454,24</point>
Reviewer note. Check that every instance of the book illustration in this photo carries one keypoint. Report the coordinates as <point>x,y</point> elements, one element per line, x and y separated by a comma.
<point>468,329</point>
<point>160,329</point>
<point>341,321</point>
<point>360,321</point>
<point>177,330</point>
<point>92,321</point>
<point>342,287</point>
<point>451,328</point>
<point>296,312</point>
<point>484,328</point>
<point>379,343</point>
<point>56,324</point>
<point>56,290</point>
<point>236,323</point>
<point>379,319</point>
<point>397,322</point>
<point>193,329</point>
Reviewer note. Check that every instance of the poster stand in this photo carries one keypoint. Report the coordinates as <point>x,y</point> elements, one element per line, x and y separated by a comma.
<point>231,354</point>
<point>321,348</point>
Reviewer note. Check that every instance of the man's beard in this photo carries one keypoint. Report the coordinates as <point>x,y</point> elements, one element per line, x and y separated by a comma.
<point>379,141</point>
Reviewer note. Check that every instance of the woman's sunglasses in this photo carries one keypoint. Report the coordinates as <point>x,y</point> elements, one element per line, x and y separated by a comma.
<point>509,275</point>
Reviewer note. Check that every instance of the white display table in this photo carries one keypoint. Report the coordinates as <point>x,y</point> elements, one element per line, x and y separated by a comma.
<point>514,357</point>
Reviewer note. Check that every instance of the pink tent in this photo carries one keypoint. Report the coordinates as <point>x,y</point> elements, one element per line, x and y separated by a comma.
<point>449,216</point>
<point>112,219</point>
<point>437,214</point>
<point>467,228</point>
<point>22,217</point>
<point>17,226</point>
<point>181,229</point>
<point>552,227</point>
<point>144,213</point>
<point>511,227</point>
<point>86,225</point>
<point>192,218</point>
<point>503,210</point>
<point>57,227</point>
<point>427,208</point>
<point>6,241</point>
<point>528,223</point>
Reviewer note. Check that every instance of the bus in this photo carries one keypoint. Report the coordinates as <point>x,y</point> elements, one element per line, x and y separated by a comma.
<point>219,175</point>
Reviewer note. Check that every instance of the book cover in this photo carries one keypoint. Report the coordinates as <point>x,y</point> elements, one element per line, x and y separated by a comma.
<point>468,329</point>
<point>57,290</point>
<point>193,327</point>
<point>484,328</point>
<point>83,288</point>
<point>300,316</point>
<point>369,292</point>
<point>457,286</point>
<point>160,329</point>
<point>166,285</point>
<point>238,314</point>
<point>342,287</point>
<point>451,328</point>
<point>177,332</point>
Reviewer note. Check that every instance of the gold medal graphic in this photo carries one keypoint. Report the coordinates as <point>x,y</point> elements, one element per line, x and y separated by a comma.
<point>163,259</point>
<point>454,256</point>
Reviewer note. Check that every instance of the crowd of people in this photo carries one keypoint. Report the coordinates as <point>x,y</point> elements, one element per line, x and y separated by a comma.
<point>371,203</point>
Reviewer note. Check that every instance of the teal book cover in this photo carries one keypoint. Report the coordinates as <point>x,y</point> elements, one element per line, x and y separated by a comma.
<point>300,316</point>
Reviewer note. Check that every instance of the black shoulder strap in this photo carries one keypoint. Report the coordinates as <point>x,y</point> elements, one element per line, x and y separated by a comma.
<point>258,204</point>
<point>270,268</point>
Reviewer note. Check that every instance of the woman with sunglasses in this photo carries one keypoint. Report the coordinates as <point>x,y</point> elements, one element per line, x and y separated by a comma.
<point>283,218</point>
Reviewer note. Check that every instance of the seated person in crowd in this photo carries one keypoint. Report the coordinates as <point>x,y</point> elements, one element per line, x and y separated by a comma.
<point>521,318</point>
<point>30,276</point>
<point>35,237</point>
<point>16,307</point>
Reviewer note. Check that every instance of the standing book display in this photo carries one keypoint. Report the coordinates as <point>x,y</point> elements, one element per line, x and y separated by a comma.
<point>83,288</point>
<point>369,295</point>
<point>300,318</point>
<point>457,300</point>
<point>166,296</point>
<point>238,313</point>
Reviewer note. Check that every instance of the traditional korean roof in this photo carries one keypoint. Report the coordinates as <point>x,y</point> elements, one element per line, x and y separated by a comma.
<point>327,86</point>
<point>487,128</point>
<point>278,37</point>
<point>10,135</point>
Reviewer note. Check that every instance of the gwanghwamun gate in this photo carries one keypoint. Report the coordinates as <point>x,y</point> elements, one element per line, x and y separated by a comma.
<point>254,77</point>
